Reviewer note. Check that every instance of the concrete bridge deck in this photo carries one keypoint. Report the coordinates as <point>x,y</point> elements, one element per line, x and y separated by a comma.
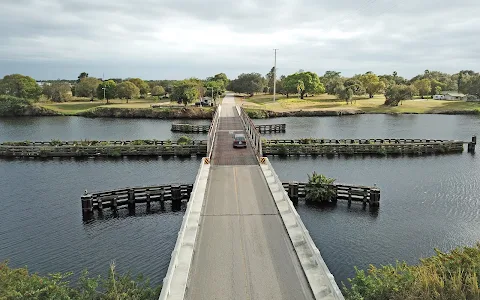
<point>241,236</point>
<point>243,249</point>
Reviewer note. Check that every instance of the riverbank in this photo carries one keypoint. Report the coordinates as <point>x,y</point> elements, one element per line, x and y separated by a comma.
<point>100,110</point>
<point>258,107</point>
<point>262,106</point>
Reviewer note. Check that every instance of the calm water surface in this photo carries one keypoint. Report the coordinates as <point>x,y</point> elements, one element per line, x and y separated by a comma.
<point>425,203</point>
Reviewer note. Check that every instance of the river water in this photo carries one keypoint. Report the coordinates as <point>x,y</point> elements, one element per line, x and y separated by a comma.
<point>426,202</point>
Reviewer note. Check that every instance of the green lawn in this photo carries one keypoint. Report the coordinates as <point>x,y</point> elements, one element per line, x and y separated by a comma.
<point>71,108</point>
<point>77,106</point>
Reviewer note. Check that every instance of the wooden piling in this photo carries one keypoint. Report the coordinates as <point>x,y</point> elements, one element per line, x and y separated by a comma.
<point>176,197</point>
<point>87,206</point>
<point>131,201</point>
<point>147,199</point>
<point>472,145</point>
<point>293,192</point>
<point>113,203</point>
<point>162,199</point>
<point>100,204</point>
<point>374,197</point>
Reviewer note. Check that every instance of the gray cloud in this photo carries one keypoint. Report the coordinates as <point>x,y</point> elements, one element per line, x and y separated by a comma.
<point>177,39</point>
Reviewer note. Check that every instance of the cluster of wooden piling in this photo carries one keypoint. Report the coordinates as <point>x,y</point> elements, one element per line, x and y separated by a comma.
<point>271,128</point>
<point>355,193</point>
<point>130,197</point>
<point>103,148</point>
<point>190,128</point>
<point>330,147</point>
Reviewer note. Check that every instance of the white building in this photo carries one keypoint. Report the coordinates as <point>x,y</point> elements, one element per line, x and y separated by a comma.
<point>450,96</point>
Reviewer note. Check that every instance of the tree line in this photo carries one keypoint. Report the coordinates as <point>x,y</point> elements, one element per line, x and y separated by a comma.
<point>183,91</point>
<point>395,88</point>
<point>302,83</point>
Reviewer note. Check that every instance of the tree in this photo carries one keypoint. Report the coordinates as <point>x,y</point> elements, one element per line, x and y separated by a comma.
<point>331,80</point>
<point>356,86</point>
<point>20,86</point>
<point>185,91</point>
<point>423,86</point>
<point>158,90</point>
<point>248,83</point>
<point>290,85</point>
<point>57,91</point>
<point>305,82</point>
<point>142,85</point>
<point>223,81</point>
<point>319,188</point>
<point>110,90</point>
<point>269,78</point>
<point>344,93</point>
<point>436,87</point>
<point>397,93</point>
<point>214,88</point>
<point>372,83</point>
<point>81,76</point>
<point>281,85</point>
<point>472,86</point>
<point>87,87</point>
<point>127,90</point>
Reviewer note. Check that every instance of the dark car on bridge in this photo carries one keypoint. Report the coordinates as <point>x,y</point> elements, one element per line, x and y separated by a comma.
<point>239,141</point>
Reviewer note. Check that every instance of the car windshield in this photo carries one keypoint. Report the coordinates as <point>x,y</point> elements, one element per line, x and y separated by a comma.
<point>239,137</point>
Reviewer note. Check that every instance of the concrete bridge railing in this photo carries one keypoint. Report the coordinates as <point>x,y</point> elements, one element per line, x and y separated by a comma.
<point>321,281</point>
<point>175,282</point>
<point>212,132</point>
<point>252,131</point>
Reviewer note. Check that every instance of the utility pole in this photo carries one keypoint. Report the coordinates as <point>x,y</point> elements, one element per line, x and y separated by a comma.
<point>275,75</point>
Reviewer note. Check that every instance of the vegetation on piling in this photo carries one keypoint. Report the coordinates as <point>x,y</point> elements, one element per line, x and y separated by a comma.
<point>319,188</point>
<point>445,276</point>
<point>21,284</point>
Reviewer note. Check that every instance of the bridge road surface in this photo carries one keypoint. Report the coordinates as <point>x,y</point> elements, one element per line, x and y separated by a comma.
<point>243,251</point>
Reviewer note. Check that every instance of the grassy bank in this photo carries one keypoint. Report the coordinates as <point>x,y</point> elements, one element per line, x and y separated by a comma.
<point>20,284</point>
<point>445,276</point>
<point>81,105</point>
<point>328,103</point>
<point>117,108</point>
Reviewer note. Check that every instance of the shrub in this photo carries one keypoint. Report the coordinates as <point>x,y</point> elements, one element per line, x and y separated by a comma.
<point>56,143</point>
<point>282,149</point>
<point>453,275</point>
<point>138,142</point>
<point>381,151</point>
<point>11,106</point>
<point>319,188</point>
<point>307,141</point>
<point>256,113</point>
<point>184,140</point>
<point>20,284</point>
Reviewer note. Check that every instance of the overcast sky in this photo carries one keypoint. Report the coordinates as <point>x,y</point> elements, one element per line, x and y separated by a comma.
<point>175,39</point>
